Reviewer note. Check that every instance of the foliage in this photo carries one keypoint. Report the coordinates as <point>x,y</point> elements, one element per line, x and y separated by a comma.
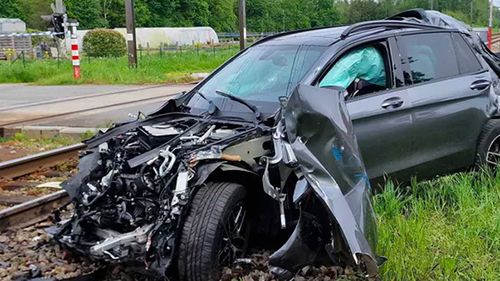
<point>168,67</point>
<point>104,43</point>
<point>32,11</point>
<point>10,9</point>
<point>86,12</point>
<point>222,15</point>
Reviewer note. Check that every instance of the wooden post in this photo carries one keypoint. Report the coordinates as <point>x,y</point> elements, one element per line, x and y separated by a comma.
<point>243,24</point>
<point>131,35</point>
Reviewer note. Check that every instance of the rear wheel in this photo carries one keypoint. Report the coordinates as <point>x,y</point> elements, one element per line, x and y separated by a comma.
<point>215,232</point>
<point>488,150</point>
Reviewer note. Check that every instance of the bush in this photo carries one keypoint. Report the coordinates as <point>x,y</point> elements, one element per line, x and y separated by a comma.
<point>104,43</point>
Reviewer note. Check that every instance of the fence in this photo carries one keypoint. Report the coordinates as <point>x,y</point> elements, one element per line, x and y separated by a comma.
<point>197,48</point>
<point>21,51</point>
<point>11,47</point>
<point>162,54</point>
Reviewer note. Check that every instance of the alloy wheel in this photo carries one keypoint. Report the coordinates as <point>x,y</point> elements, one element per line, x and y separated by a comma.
<point>235,236</point>
<point>493,153</point>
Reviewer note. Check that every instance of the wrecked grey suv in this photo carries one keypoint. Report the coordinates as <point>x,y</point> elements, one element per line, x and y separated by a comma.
<point>266,148</point>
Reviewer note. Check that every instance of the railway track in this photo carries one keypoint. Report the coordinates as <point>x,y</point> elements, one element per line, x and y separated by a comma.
<point>26,121</point>
<point>82,97</point>
<point>495,38</point>
<point>38,209</point>
<point>29,164</point>
<point>32,211</point>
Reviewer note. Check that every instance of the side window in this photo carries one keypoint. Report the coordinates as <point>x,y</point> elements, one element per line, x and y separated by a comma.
<point>361,71</point>
<point>467,60</point>
<point>430,56</point>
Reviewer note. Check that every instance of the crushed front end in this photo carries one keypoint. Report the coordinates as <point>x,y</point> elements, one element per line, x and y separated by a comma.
<point>136,181</point>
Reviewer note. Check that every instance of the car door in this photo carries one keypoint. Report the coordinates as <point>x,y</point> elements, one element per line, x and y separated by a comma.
<point>382,120</point>
<point>449,95</point>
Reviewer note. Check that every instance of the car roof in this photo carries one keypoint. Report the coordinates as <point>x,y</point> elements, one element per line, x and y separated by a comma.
<point>326,36</point>
<point>323,36</point>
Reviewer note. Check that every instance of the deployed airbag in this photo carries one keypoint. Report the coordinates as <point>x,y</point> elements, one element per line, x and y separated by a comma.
<point>365,63</point>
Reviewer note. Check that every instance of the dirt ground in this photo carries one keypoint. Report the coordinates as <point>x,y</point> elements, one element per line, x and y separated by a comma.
<point>12,150</point>
<point>30,253</point>
<point>25,188</point>
<point>496,48</point>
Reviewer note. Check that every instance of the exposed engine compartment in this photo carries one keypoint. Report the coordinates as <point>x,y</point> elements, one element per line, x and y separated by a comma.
<point>132,188</point>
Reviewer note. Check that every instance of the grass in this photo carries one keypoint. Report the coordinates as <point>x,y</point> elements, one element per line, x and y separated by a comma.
<point>42,142</point>
<point>170,67</point>
<point>445,229</point>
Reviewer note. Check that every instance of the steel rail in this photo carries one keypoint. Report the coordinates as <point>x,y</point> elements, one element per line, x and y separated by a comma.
<point>41,118</point>
<point>33,211</point>
<point>80,97</point>
<point>28,164</point>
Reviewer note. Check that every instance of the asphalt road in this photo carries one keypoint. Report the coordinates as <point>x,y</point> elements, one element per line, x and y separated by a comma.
<point>25,102</point>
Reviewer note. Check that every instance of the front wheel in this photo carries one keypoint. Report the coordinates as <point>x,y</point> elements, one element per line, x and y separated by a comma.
<point>488,149</point>
<point>215,231</point>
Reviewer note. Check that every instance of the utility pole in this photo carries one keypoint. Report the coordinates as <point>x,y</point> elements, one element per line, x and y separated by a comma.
<point>243,24</point>
<point>131,36</point>
<point>432,4</point>
<point>490,26</point>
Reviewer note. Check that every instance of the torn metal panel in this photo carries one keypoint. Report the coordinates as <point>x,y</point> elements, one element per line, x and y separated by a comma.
<point>87,166</point>
<point>433,18</point>
<point>322,137</point>
<point>300,250</point>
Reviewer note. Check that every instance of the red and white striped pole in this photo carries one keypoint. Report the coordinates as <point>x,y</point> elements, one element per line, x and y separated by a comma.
<point>75,55</point>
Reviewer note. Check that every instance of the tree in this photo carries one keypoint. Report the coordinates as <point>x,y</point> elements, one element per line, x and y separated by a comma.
<point>326,13</point>
<point>10,9</point>
<point>362,10</point>
<point>195,12</point>
<point>32,10</point>
<point>222,16</point>
<point>88,13</point>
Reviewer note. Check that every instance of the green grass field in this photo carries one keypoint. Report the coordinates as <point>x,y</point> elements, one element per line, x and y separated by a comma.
<point>445,229</point>
<point>170,67</point>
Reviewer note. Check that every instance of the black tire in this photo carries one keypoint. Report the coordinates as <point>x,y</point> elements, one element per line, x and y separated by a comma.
<point>489,140</point>
<point>204,237</point>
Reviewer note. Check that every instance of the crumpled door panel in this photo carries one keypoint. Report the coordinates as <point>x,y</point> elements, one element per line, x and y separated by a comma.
<point>322,137</point>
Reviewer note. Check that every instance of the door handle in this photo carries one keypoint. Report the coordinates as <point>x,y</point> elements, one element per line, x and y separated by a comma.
<point>480,85</point>
<point>392,103</point>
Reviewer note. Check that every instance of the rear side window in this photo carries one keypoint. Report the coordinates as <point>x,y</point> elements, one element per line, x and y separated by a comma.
<point>467,60</point>
<point>430,56</point>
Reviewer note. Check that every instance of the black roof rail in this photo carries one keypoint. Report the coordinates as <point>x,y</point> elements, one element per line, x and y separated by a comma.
<point>384,23</point>
<point>285,33</point>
